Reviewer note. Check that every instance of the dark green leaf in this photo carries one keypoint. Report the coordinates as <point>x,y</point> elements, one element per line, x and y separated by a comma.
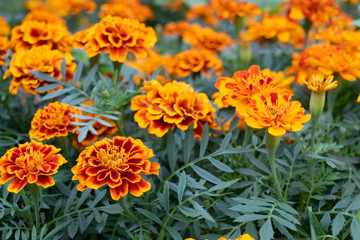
<point>204,140</point>
<point>206,175</point>
<point>355,228</point>
<point>338,224</point>
<point>56,94</point>
<point>250,217</point>
<point>56,229</point>
<point>202,211</point>
<point>266,231</point>
<point>149,215</point>
<point>220,165</point>
<point>63,69</point>
<point>181,186</point>
<point>188,143</point>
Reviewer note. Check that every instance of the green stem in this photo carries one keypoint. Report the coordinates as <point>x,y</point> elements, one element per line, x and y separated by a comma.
<point>272,144</point>
<point>127,211</point>
<point>117,68</point>
<point>248,133</point>
<point>315,121</point>
<point>34,190</point>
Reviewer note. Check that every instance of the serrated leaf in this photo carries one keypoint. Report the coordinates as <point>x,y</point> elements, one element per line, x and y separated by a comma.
<point>78,72</point>
<point>325,221</point>
<point>181,186</point>
<point>355,228</point>
<point>220,165</point>
<point>204,140</point>
<point>206,175</point>
<point>338,224</point>
<point>343,203</point>
<point>354,205</point>
<point>99,196</point>
<point>63,69</point>
<point>56,230</point>
<point>111,209</point>
<point>174,234</point>
<point>188,143</point>
<point>250,217</point>
<point>103,122</point>
<point>285,222</point>
<point>48,87</point>
<point>90,77</point>
<point>149,215</point>
<point>223,185</point>
<point>45,77</point>
<point>202,211</point>
<point>56,94</point>
<point>266,231</point>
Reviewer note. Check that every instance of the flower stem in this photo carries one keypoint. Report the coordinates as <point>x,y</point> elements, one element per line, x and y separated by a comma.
<point>115,77</point>
<point>315,121</point>
<point>127,211</point>
<point>34,190</point>
<point>272,144</point>
<point>248,133</point>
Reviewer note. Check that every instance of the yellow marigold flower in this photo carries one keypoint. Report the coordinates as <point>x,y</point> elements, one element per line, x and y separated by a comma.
<point>126,9</point>
<point>337,35</point>
<point>242,237</point>
<point>238,90</point>
<point>175,104</point>
<point>4,27</point>
<point>181,28</point>
<point>4,46</point>
<point>117,36</point>
<point>193,61</point>
<point>117,163</point>
<point>277,113</point>
<point>174,5</point>
<point>62,8</point>
<point>281,79</point>
<point>318,12</point>
<point>207,38</point>
<point>30,163</point>
<point>81,38</point>
<point>53,120</point>
<point>325,59</point>
<point>204,12</point>
<point>274,27</point>
<point>317,83</point>
<point>358,99</point>
<point>40,28</point>
<point>38,59</point>
<point>229,9</point>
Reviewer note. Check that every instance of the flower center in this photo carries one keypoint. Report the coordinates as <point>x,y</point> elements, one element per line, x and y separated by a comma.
<point>113,158</point>
<point>30,160</point>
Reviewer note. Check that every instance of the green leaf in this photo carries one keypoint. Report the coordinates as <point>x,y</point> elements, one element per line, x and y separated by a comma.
<point>48,87</point>
<point>70,200</point>
<point>171,149</point>
<point>355,228</point>
<point>206,175</point>
<point>149,215</point>
<point>56,230</point>
<point>188,143</point>
<point>225,141</point>
<point>266,231</point>
<point>112,209</point>
<point>231,151</point>
<point>78,72</point>
<point>355,205</point>
<point>166,196</point>
<point>202,211</point>
<point>90,77</point>
<point>204,140</point>
<point>220,165</point>
<point>33,233</point>
<point>285,222</point>
<point>45,77</point>
<point>338,224</point>
<point>223,185</point>
<point>250,217</point>
<point>174,234</point>
<point>56,94</point>
<point>84,196</point>
<point>43,231</point>
<point>63,69</point>
<point>155,74</point>
<point>99,196</point>
<point>325,221</point>
<point>181,186</point>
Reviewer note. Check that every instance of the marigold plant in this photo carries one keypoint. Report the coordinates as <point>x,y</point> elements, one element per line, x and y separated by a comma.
<point>229,9</point>
<point>117,163</point>
<point>63,8</point>
<point>4,46</point>
<point>126,9</point>
<point>30,163</point>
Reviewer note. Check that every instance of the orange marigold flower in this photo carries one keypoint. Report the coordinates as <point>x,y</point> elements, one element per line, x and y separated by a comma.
<point>81,38</point>
<point>358,99</point>
<point>325,59</point>
<point>238,90</point>
<point>117,36</point>
<point>126,9</point>
<point>181,28</point>
<point>30,163</point>
<point>174,5</point>
<point>281,79</point>
<point>117,163</point>
<point>149,64</point>
<point>317,83</point>
<point>38,59</point>
<point>339,36</point>
<point>242,237</point>
<point>204,12</point>
<point>273,28</point>
<point>62,8</point>
<point>4,27</point>
<point>193,61</point>
<point>174,104</point>
<point>4,46</point>
<point>277,113</point>
<point>318,12</point>
<point>54,120</point>
<point>40,28</point>
<point>229,9</point>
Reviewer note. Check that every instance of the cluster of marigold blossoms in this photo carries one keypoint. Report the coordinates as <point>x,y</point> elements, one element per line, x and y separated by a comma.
<point>62,8</point>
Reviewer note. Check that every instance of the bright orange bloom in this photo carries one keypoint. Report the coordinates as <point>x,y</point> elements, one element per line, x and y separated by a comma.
<point>38,59</point>
<point>242,237</point>
<point>62,8</point>
<point>117,163</point>
<point>175,104</point>
<point>281,79</point>
<point>238,90</point>
<point>81,38</point>
<point>358,99</point>
<point>181,28</point>
<point>193,61</point>
<point>318,12</point>
<point>339,36</point>
<point>53,120</point>
<point>126,9</point>
<point>4,27</point>
<point>4,46</point>
<point>273,28</point>
<point>204,12</point>
<point>118,36</point>
<point>277,113</point>
<point>325,59</point>
<point>40,28</point>
<point>174,5</point>
<point>317,83</point>
<point>229,9</point>
<point>30,163</point>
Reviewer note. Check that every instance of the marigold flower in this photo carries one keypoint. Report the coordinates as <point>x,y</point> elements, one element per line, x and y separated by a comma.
<point>38,59</point>
<point>4,45</point>
<point>40,28</point>
<point>325,59</point>
<point>238,90</point>
<point>62,8</point>
<point>174,104</point>
<point>204,12</point>
<point>174,5</point>
<point>117,163</point>
<point>4,27</point>
<point>317,83</point>
<point>274,27</point>
<point>318,12</point>
<point>181,28</point>
<point>30,163</point>
<point>53,120</point>
<point>339,36</point>
<point>149,64</point>
<point>277,113</point>
<point>126,9</point>
<point>117,36</point>
<point>281,79</point>
<point>81,38</point>
<point>193,61</point>
<point>229,9</point>
<point>242,237</point>
<point>358,99</point>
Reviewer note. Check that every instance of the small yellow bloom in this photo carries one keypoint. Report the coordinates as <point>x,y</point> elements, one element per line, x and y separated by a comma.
<point>317,83</point>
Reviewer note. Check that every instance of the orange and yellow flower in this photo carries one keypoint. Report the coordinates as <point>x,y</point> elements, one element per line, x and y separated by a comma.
<point>242,237</point>
<point>358,99</point>
<point>118,36</point>
<point>274,28</point>
<point>175,104</point>
<point>126,9</point>
<point>40,59</point>
<point>229,9</point>
<point>30,163</point>
<point>193,61</point>
<point>54,120</point>
<point>117,163</point>
<point>204,12</point>
<point>149,64</point>
<point>317,83</point>
<point>4,27</point>
<point>281,78</point>
<point>4,46</point>
<point>339,36</point>
<point>62,8</point>
<point>181,28</point>
<point>276,112</point>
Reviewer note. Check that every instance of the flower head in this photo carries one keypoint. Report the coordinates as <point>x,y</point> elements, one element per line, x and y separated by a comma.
<point>117,163</point>
<point>40,59</point>
<point>4,46</point>
<point>4,27</point>
<point>317,83</point>
<point>181,28</point>
<point>277,113</point>
<point>242,237</point>
<point>54,120</point>
<point>193,61</point>
<point>229,9</point>
<point>62,8</point>
<point>30,163</point>
<point>126,9</point>
<point>118,36</point>
<point>174,104</point>
<point>281,78</point>
<point>204,12</point>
